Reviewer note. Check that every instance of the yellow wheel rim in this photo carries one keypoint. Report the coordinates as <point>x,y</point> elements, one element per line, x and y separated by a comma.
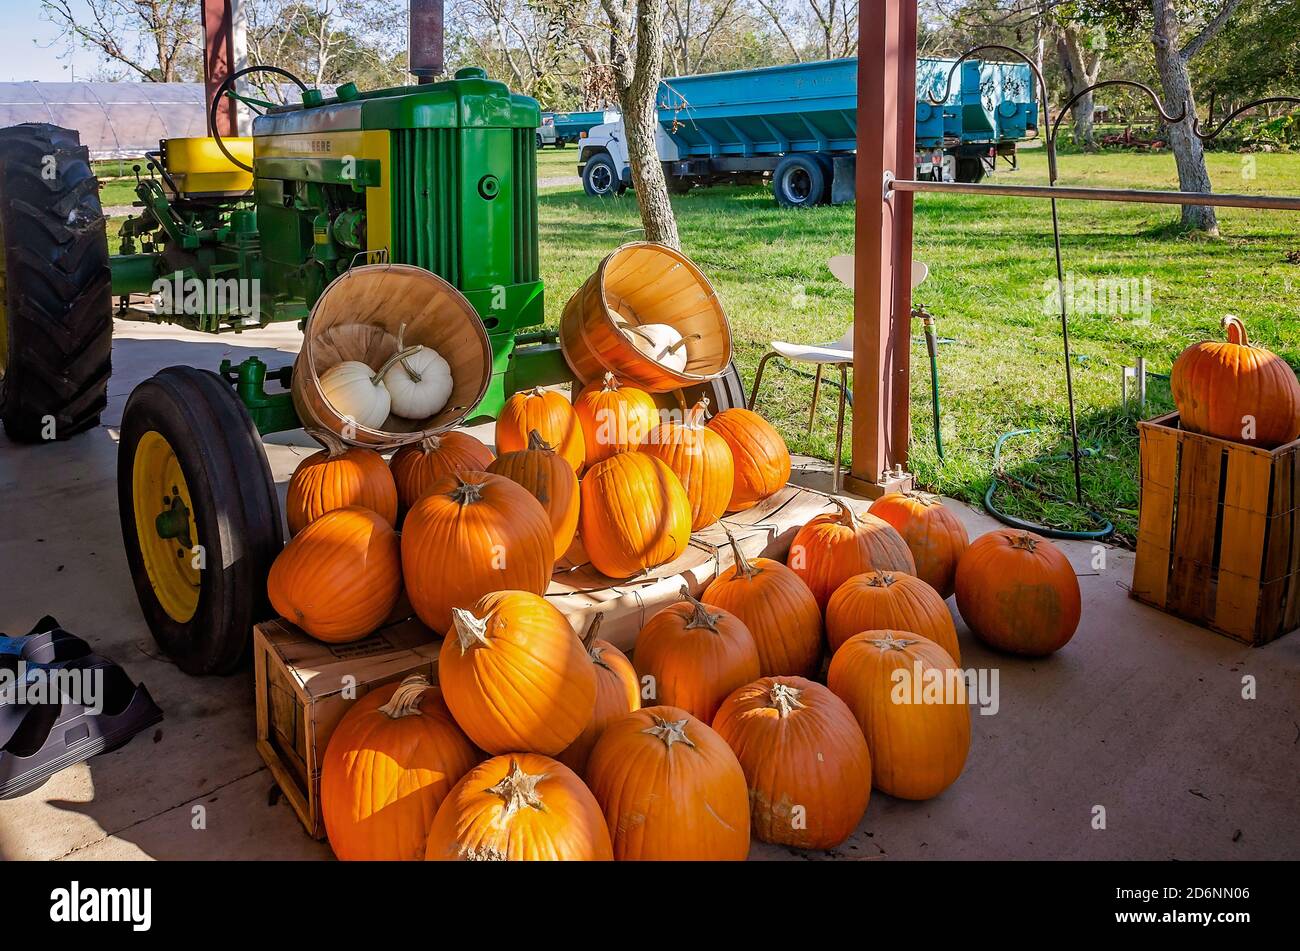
<point>165,527</point>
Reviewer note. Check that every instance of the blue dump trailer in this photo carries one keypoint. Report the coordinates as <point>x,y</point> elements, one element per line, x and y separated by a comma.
<point>569,126</point>
<point>796,126</point>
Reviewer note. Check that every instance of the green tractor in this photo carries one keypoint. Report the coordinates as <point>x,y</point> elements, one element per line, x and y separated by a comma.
<point>439,175</point>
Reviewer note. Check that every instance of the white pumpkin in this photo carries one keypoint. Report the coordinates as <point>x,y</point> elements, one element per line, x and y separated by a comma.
<point>357,391</point>
<point>661,343</point>
<point>420,385</point>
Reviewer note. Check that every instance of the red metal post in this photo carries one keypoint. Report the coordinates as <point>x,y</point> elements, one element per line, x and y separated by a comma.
<point>218,60</point>
<point>883,297</point>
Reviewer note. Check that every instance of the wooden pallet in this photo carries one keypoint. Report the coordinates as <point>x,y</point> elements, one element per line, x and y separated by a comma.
<point>1218,540</point>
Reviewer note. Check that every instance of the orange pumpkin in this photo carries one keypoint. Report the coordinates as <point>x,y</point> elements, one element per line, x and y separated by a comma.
<point>916,722</point>
<point>618,692</point>
<point>934,535</point>
<point>550,480</point>
<point>776,607</point>
<point>340,577</point>
<point>762,463</point>
<point>884,601</point>
<point>1018,593</point>
<point>551,415</point>
<point>1236,391</point>
<point>470,534</point>
<point>614,418</point>
<point>390,762</point>
<point>693,657</point>
<point>336,477</point>
<point>834,547</point>
<point>419,465</point>
<point>515,675</point>
<point>634,515</point>
<point>671,789</point>
<point>519,808</point>
<point>700,458</point>
<point>804,757</point>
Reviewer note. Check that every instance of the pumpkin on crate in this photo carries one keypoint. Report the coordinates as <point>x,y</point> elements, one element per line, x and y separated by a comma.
<point>934,535</point>
<point>1236,391</point>
<point>671,789</point>
<point>618,693</point>
<point>515,675</point>
<point>550,480</point>
<point>694,657</point>
<point>473,533</point>
<point>804,757</point>
<point>634,515</point>
<point>776,607</point>
<point>340,577</point>
<point>884,601</point>
<point>700,458</point>
<point>551,415</point>
<point>614,418</point>
<point>419,465</point>
<point>390,762</point>
<point>833,547</point>
<point>336,477</point>
<point>521,807</point>
<point>1018,593</point>
<point>909,697</point>
<point>761,460</point>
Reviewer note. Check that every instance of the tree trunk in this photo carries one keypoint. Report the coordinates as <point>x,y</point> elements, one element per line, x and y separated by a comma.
<point>1189,151</point>
<point>1079,75</point>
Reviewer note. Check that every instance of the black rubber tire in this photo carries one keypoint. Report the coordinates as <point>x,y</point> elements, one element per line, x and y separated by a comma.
<point>725,391</point>
<point>58,306</point>
<point>540,144</point>
<point>236,512</point>
<point>561,144</point>
<point>597,189</point>
<point>677,184</point>
<point>799,181</point>
<point>970,170</point>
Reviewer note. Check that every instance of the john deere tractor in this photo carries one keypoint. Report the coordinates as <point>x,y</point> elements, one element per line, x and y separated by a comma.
<point>439,175</point>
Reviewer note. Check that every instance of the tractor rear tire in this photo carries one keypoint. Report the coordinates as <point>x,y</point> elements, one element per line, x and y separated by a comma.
<point>56,307</point>
<point>188,448</point>
<point>725,391</point>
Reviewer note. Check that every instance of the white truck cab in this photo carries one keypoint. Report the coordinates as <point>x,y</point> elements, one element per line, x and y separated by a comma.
<point>602,158</point>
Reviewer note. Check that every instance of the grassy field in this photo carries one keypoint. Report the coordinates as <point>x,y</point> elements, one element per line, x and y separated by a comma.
<point>991,268</point>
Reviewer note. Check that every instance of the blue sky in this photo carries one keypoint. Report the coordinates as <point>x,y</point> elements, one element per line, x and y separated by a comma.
<point>30,47</point>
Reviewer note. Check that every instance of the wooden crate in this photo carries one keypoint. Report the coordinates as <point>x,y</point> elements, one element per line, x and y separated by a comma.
<point>1218,543</point>
<point>304,687</point>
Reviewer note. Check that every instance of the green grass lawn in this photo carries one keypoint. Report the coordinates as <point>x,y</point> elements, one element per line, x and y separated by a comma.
<point>989,260</point>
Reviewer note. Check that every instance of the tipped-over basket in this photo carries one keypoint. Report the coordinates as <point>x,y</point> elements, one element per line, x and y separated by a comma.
<point>640,284</point>
<point>359,316</point>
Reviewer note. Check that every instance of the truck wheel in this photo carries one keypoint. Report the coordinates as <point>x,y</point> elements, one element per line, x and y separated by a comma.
<point>600,177</point>
<point>56,311</point>
<point>970,170</point>
<point>200,517</point>
<point>540,144</point>
<point>678,184</point>
<point>799,181</point>
<point>560,143</point>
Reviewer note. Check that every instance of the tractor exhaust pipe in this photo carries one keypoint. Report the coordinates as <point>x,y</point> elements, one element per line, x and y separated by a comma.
<point>426,56</point>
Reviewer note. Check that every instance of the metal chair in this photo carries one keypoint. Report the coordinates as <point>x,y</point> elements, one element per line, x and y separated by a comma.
<point>837,353</point>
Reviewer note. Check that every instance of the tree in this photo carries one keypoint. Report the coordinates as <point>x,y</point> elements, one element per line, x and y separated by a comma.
<point>152,39</point>
<point>637,48</point>
<point>1073,45</point>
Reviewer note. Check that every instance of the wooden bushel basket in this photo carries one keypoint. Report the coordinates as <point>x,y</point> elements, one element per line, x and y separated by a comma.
<point>358,316</point>
<point>645,283</point>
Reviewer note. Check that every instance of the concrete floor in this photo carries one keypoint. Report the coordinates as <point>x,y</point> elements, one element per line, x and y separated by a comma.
<point>1140,714</point>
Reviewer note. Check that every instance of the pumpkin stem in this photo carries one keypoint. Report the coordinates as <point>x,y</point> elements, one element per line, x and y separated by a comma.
<point>399,355</point>
<point>891,643</point>
<point>670,731</point>
<point>518,789</point>
<point>410,370</point>
<point>589,641</point>
<point>470,630</point>
<point>405,701</point>
<point>610,382</point>
<point>1235,329</point>
<point>696,414</point>
<point>701,617</point>
<point>880,579</point>
<point>846,514</point>
<point>466,492</point>
<point>431,443</point>
<point>743,567</point>
<point>537,444</point>
<point>923,498</point>
<point>334,446</point>
<point>673,348</point>
<point>1024,541</point>
<point>784,698</point>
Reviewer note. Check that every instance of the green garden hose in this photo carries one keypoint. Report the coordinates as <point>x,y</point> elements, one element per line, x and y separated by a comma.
<point>1046,530</point>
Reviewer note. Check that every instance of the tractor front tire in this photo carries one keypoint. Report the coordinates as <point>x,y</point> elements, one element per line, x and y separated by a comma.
<point>200,517</point>
<point>56,308</point>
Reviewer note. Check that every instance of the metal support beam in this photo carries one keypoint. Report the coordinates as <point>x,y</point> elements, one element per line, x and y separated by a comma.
<point>1273,202</point>
<point>218,59</point>
<point>886,127</point>
<point>426,39</point>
